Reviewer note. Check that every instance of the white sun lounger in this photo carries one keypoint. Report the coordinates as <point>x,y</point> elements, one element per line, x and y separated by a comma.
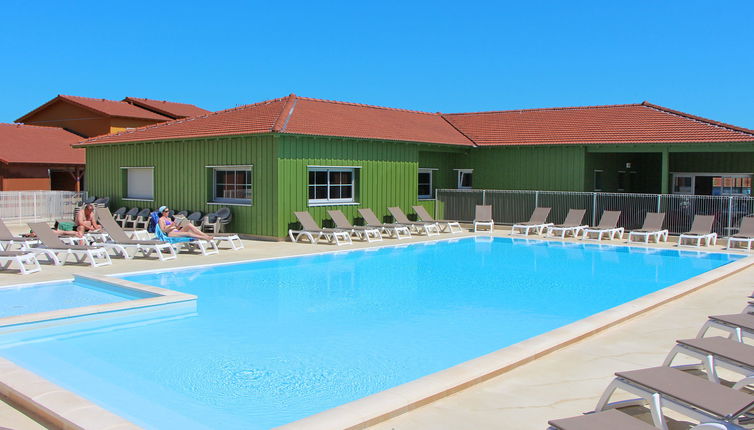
<point>445,224</point>
<point>745,235</point>
<point>429,228</point>
<point>22,259</point>
<point>370,234</point>
<point>692,396</point>
<point>737,326</point>
<point>612,419</point>
<point>651,229</point>
<point>483,217</point>
<point>121,243</point>
<point>714,352</point>
<point>537,222</point>
<point>53,248</point>
<point>572,224</point>
<point>398,230</point>
<point>701,232</point>
<point>310,229</point>
<point>607,227</point>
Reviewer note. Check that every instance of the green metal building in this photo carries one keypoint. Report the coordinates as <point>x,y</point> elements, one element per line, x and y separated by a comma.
<point>268,159</point>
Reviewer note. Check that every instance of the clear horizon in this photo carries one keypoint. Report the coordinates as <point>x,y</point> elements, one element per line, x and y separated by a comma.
<point>438,57</point>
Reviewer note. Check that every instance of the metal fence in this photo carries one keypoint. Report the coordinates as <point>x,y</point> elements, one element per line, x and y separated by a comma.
<point>18,207</point>
<point>511,206</point>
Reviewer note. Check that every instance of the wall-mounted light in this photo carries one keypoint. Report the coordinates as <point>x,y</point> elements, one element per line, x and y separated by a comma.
<point>628,165</point>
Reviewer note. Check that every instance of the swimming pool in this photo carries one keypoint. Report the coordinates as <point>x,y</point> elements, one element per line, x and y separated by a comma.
<point>271,342</point>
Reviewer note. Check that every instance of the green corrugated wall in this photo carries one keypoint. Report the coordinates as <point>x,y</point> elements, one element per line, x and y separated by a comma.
<point>556,168</point>
<point>181,179</point>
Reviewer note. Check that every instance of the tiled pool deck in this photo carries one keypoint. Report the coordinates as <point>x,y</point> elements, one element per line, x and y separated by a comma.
<point>562,383</point>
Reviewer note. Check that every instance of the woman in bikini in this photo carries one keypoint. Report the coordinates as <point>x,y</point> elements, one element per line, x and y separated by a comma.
<point>173,229</point>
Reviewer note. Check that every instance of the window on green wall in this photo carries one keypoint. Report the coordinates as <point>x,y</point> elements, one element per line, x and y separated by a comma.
<point>332,185</point>
<point>232,184</point>
<point>425,183</point>
<point>464,178</point>
<point>139,183</point>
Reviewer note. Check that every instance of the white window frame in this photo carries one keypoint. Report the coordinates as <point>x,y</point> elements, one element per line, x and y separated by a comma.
<point>693,176</point>
<point>431,183</point>
<point>459,178</point>
<point>354,170</point>
<point>128,196</point>
<point>214,199</point>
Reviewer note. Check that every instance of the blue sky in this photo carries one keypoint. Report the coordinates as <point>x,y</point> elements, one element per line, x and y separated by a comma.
<point>693,56</point>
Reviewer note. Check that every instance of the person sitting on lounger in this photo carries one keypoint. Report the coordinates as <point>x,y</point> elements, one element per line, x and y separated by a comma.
<point>86,221</point>
<point>176,229</point>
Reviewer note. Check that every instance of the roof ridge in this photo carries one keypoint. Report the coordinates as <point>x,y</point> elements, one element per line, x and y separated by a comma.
<point>177,121</point>
<point>282,120</point>
<point>367,105</point>
<point>698,118</point>
<point>547,109</point>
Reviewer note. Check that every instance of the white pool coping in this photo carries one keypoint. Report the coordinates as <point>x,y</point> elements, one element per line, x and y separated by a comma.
<point>67,410</point>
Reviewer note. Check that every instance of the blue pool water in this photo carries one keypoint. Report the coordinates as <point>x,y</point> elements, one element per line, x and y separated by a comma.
<point>272,342</point>
<point>58,295</point>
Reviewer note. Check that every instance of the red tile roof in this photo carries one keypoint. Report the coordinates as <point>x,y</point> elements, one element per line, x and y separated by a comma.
<point>104,107</point>
<point>637,123</point>
<point>42,145</point>
<point>623,124</point>
<point>300,115</point>
<point>171,109</point>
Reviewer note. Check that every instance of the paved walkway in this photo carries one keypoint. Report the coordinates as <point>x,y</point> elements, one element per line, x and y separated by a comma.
<point>560,384</point>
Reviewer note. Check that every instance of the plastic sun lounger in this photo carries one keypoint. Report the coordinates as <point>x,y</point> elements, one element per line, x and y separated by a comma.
<point>429,228</point>
<point>652,228</point>
<point>737,325</point>
<point>681,392</point>
<point>310,229</point>
<point>701,231</point>
<point>121,243</point>
<point>714,352</point>
<point>206,247</point>
<point>8,239</point>
<point>608,226</point>
<point>53,247</point>
<point>444,224</point>
<point>572,224</point>
<point>745,234</point>
<point>483,217</point>
<point>397,230</point>
<point>370,234</point>
<point>537,222</point>
<point>615,420</point>
<point>22,259</point>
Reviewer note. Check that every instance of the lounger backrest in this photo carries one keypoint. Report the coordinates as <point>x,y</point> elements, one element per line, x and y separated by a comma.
<point>306,220</point>
<point>111,227</point>
<point>132,212</point>
<point>369,217</point>
<point>47,236</point>
<point>398,214</point>
<point>575,217</point>
<point>194,217</point>
<point>609,219</point>
<point>339,219</point>
<point>121,211</point>
<point>702,224</point>
<point>423,214</point>
<point>653,221</point>
<point>144,213</point>
<point>483,213</point>
<point>5,233</point>
<point>539,216</point>
<point>747,226</point>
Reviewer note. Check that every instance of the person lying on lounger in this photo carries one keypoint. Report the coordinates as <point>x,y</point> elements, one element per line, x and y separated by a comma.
<point>181,228</point>
<point>86,221</point>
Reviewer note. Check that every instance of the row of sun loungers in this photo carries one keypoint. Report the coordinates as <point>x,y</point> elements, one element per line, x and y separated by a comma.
<point>113,238</point>
<point>714,404</point>
<point>374,230</point>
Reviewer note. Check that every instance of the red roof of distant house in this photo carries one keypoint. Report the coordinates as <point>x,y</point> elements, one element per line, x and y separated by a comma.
<point>637,123</point>
<point>300,115</point>
<point>41,145</point>
<point>104,107</point>
<point>171,109</point>
<point>623,124</point>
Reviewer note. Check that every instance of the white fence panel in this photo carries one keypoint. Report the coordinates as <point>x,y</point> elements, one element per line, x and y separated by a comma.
<point>511,206</point>
<point>19,207</point>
